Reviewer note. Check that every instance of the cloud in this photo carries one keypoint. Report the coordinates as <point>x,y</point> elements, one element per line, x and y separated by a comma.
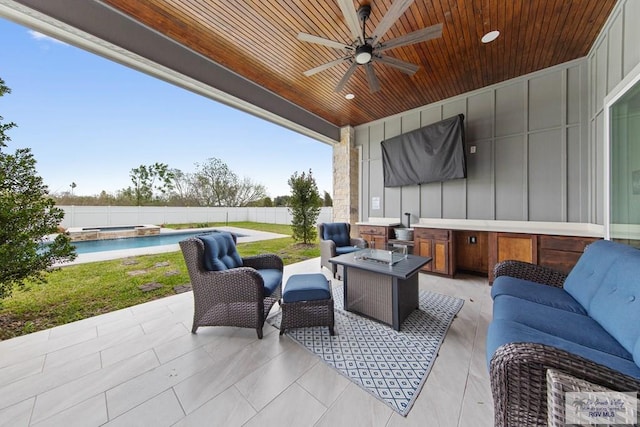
<point>42,37</point>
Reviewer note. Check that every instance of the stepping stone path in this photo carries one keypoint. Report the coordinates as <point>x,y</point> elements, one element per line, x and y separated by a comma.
<point>137,272</point>
<point>150,286</point>
<point>171,273</point>
<point>129,261</point>
<point>161,264</point>
<point>182,288</point>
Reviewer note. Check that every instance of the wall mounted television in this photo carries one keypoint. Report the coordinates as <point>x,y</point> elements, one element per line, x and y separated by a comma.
<point>433,153</point>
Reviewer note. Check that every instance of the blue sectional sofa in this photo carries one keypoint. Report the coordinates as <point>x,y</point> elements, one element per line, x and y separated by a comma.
<point>585,324</point>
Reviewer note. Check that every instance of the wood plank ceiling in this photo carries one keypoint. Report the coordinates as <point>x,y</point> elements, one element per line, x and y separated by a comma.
<point>257,39</point>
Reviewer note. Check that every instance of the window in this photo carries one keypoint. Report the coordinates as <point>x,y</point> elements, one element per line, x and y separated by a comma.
<point>624,162</point>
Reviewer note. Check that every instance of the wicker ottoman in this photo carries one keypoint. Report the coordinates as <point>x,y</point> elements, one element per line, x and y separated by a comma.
<point>307,301</point>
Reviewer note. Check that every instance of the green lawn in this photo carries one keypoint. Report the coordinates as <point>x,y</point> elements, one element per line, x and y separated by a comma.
<point>84,290</point>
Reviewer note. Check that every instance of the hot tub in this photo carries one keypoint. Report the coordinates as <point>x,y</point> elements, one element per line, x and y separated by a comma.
<point>111,232</point>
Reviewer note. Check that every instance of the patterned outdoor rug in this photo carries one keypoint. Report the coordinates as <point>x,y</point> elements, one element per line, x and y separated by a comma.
<point>391,365</point>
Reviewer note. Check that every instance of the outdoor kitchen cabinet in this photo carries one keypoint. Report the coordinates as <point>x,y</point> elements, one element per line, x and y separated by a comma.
<point>378,234</point>
<point>439,245</point>
<point>512,246</point>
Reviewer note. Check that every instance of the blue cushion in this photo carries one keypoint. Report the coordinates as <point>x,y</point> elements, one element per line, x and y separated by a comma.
<point>220,251</point>
<point>341,250</point>
<point>506,331</point>
<point>574,327</point>
<point>536,292</point>
<point>338,232</point>
<point>306,287</point>
<point>272,278</point>
<point>586,276</point>
<point>636,353</point>
<point>616,303</point>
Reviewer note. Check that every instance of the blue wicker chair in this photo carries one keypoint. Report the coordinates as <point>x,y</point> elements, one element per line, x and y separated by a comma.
<point>335,239</point>
<point>229,290</point>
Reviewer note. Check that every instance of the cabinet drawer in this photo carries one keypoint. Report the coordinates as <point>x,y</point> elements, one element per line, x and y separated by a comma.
<point>558,260</point>
<point>369,229</point>
<point>432,233</point>
<point>564,243</point>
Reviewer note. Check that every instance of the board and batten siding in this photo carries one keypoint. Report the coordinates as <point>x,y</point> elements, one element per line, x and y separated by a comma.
<point>539,141</point>
<point>531,159</point>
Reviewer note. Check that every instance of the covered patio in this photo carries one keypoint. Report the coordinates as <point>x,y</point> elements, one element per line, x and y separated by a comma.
<point>249,56</point>
<point>142,366</point>
<point>534,102</point>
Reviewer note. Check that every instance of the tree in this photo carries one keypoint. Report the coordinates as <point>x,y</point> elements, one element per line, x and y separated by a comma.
<point>246,191</point>
<point>27,216</point>
<point>328,201</point>
<point>262,203</point>
<point>305,205</point>
<point>218,185</point>
<point>282,201</point>
<point>184,189</point>
<point>148,180</point>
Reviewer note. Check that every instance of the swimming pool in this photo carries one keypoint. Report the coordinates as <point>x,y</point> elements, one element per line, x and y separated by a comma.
<point>90,246</point>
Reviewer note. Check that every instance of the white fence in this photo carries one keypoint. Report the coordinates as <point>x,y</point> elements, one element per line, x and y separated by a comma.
<point>96,216</point>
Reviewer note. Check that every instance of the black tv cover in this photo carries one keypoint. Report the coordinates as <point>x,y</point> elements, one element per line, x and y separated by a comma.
<point>430,154</point>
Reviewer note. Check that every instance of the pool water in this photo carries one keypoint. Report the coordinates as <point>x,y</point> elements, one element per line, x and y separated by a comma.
<point>90,246</point>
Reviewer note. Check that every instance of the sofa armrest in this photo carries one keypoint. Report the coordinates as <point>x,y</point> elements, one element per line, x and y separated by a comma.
<point>519,385</point>
<point>560,383</point>
<point>531,272</point>
<point>233,285</point>
<point>327,250</point>
<point>262,261</point>
<point>359,242</point>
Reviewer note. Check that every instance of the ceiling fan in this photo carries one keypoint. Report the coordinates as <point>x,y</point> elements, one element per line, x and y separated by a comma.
<point>364,50</point>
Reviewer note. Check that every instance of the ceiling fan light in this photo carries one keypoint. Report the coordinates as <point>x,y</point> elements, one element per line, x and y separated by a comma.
<point>363,54</point>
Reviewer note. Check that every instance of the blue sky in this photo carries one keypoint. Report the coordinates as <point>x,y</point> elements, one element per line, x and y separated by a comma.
<point>90,121</point>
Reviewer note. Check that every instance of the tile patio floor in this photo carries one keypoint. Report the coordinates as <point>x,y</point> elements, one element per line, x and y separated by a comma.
<point>142,366</point>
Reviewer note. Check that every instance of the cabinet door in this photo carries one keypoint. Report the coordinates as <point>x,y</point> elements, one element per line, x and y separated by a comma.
<point>380,242</point>
<point>511,246</point>
<point>424,248</point>
<point>367,237</point>
<point>440,251</point>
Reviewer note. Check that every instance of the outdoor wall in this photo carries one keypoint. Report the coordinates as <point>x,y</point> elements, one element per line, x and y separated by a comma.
<point>613,56</point>
<point>94,216</point>
<point>531,161</point>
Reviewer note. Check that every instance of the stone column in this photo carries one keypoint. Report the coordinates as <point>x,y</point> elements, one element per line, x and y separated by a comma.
<point>345,178</point>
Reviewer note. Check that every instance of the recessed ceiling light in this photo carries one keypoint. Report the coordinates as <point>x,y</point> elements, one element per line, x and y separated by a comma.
<point>349,96</point>
<point>490,36</point>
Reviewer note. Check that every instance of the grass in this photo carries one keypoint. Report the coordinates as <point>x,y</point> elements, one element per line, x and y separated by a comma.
<point>272,228</point>
<point>85,290</point>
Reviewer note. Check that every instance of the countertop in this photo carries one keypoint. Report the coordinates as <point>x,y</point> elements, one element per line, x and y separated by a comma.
<point>381,222</point>
<point>529,227</point>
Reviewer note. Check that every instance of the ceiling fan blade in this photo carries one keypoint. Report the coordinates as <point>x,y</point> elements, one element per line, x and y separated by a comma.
<point>320,40</point>
<point>374,84</point>
<point>405,67</point>
<point>432,32</point>
<point>323,67</point>
<point>351,18</point>
<point>345,78</point>
<point>395,11</point>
